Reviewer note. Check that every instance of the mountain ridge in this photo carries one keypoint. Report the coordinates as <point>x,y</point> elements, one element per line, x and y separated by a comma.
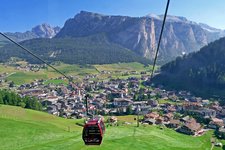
<point>94,49</point>
<point>140,34</point>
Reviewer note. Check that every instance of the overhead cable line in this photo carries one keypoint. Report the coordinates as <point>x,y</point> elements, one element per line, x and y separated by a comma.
<point>160,37</point>
<point>34,55</point>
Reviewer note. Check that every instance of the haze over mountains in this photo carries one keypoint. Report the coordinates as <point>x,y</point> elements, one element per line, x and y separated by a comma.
<point>138,35</point>
<point>40,31</point>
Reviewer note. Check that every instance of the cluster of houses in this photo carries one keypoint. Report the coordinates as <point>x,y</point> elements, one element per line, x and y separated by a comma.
<point>174,109</point>
<point>186,125</point>
<point>31,67</point>
<point>187,117</point>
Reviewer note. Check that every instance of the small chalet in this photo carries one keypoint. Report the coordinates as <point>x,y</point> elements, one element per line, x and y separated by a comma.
<point>167,117</point>
<point>152,115</point>
<point>153,103</point>
<point>191,106</point>
<point>208,113</point>
<point>215,123</point>
<point>191,127</point>
<point>173,124</point>
<point>159,120</point>
<point>121,102</point>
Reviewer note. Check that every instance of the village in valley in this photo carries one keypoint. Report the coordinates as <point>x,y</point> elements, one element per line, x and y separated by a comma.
<point>180,110</point>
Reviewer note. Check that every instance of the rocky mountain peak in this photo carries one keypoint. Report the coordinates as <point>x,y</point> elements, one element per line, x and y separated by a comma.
<point>140,34</point>
<point>153,16</point>
<point>208,28</point>
<point>87,13</point>
<point>84,15</point>
<point>169,18</point>
<point>40,31</point>
<point>45,30</point>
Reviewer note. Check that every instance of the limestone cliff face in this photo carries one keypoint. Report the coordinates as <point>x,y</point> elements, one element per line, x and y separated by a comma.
<point>141,34</point>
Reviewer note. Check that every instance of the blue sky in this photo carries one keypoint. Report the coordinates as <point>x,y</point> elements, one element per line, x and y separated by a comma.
<point>22,15</point>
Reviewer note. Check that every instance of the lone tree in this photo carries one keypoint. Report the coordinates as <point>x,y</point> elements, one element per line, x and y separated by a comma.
<point>11,84</point>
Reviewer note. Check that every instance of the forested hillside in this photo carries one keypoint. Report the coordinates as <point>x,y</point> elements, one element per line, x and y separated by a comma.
<point>202,72</point>
<point>84,50</point>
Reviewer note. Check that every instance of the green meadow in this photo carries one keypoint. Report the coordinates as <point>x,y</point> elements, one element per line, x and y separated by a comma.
<point>78,71</point>
<point>23,129</point>
<point>133,66</point>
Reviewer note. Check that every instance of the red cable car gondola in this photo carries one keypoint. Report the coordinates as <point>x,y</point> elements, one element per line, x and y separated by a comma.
<point>93,132</point>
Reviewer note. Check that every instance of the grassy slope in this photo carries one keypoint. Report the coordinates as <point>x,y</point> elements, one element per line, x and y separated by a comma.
<point>123,67</point>
<point>24,77</point>
<point>56,81</point>
<point>20,77</point>
<point>28,129</point>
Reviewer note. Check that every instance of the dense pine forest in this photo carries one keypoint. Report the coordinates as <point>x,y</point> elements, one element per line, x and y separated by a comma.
<point>83,50</point>
<point>201,72</point>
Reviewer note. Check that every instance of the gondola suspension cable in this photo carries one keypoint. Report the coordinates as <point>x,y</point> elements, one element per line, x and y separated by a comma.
<point>160,37</point>
<point>34,55</point>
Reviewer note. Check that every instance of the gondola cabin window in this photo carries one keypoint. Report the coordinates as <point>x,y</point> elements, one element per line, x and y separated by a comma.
<point>94,129</point>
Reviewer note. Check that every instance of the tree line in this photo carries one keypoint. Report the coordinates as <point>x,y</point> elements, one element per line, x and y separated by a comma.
<point>11,98</point>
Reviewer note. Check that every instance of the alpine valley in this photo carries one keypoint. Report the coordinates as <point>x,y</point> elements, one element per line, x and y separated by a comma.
<point>110,39</point>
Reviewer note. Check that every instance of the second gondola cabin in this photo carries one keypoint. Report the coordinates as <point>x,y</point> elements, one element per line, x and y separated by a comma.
<point>93,131</point>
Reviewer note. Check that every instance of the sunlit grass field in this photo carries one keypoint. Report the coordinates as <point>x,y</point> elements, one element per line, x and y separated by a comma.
<point>123,67</point>
<point>78,71</point>
<point>22,129</point>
